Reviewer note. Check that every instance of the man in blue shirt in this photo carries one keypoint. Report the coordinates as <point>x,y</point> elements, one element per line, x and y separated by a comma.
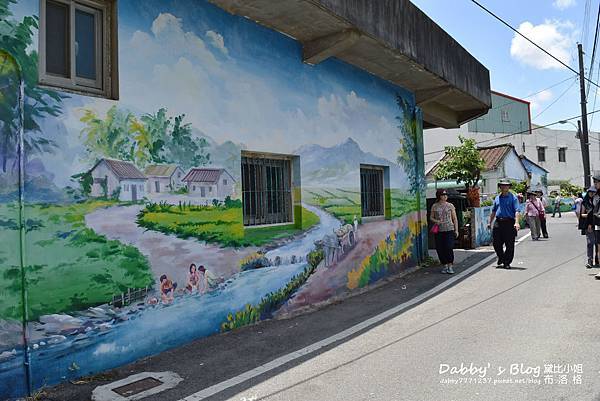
<point>506,213</point>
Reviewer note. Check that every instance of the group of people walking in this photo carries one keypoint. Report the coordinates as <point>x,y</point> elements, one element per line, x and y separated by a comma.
<point>535,213</point>
<point>503,222</point>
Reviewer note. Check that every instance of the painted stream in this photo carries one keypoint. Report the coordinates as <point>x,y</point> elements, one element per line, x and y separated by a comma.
<point>156,328</point>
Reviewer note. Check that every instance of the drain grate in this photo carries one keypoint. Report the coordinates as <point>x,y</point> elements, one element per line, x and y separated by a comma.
<point>137,387</point>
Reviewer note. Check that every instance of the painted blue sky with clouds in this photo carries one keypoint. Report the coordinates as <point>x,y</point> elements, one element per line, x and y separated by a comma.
<point>235,80</point>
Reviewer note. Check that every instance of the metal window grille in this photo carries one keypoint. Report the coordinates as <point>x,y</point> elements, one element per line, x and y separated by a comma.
<point>266,191</point>
<point>371,191</point>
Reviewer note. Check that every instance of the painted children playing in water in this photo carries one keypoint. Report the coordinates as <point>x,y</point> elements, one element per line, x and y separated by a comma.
<point>193,279</point>
<point>167,289</point>
<point>197,279</point>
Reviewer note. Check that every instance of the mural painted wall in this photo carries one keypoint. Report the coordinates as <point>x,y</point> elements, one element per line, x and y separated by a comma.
<point>481,235</point>
<point>116,270</point>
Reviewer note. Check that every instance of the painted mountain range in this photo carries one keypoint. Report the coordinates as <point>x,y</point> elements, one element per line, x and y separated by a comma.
<point>336,166</point>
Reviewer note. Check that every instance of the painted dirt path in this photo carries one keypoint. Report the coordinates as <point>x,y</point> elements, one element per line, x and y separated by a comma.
<point>167,254</point>
<point>327,283</point>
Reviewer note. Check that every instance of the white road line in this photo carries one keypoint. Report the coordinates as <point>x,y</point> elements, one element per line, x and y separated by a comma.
<point>282,360</point>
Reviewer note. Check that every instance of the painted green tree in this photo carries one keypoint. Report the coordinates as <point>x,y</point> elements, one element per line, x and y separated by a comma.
<point>409,145</point>
<point>16,37</point>
<point>111,136</point>
<point>151,139</point>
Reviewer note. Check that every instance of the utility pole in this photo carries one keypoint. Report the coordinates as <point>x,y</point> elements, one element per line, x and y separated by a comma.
<point>585,143</point>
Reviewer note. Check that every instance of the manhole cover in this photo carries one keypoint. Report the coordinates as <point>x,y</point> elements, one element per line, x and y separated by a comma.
<point>137,386</point>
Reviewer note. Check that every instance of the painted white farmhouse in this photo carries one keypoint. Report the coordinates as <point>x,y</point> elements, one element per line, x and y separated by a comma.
<point>163,178</point>
<point>210,183</point>
<point>112,176</point>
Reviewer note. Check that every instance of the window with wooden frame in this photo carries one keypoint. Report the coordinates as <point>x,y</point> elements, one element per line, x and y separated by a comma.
<point>371,191</point>
<point>266,189</point>
<point>78,46</point>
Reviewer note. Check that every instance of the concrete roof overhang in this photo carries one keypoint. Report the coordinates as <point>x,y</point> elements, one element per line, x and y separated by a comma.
<point>393,40</point>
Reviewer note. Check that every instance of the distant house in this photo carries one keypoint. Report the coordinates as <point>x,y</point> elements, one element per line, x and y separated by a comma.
<point>163,178</point>
<point>538,175</point>
<point>111,176</point>
<point>210,183</point>
<point>500,161</point>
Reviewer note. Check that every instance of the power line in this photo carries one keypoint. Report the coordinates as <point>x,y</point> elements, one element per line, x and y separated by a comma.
<point>591,72</point>
<point>531,41</point>
<point>521,132</point>
<point>555,100</point>
<point>535,93</point>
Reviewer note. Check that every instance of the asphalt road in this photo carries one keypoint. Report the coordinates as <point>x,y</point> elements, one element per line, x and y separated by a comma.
<point>543,315</point>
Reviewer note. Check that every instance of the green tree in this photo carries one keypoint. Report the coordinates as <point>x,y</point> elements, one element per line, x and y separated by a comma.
<point>16,37</point>
<point>407,154</point>
<point>462,163</point>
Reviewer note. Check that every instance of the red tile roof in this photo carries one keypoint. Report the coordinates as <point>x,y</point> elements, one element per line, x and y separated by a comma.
<point>203,175</point>
<point>492,157</point>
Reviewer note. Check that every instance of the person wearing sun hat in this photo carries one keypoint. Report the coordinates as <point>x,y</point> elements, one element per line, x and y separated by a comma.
<point>505,218</point>
<point>533,211</point>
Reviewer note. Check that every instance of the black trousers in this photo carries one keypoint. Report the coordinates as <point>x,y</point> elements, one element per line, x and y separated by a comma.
<point>444,245</point>
<point>504,235</point>
<point>544,227</point>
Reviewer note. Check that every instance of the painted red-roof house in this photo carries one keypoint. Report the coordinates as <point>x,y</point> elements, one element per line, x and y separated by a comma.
<point>210,183</point>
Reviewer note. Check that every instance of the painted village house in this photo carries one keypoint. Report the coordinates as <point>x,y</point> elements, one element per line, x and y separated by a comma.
<point>210,183</point>
<point>250,91</point>
<point>118,179</point>
<point>163,178</point>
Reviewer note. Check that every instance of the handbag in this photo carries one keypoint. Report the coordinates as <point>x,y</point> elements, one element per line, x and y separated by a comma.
<point>435,229</point>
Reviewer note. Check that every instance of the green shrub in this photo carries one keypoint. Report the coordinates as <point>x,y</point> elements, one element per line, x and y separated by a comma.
<point>315,257</point>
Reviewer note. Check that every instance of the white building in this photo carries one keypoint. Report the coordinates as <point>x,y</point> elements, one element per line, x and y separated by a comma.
<point>210,183</point>
<point>557,151</point>
<point>117,178</point>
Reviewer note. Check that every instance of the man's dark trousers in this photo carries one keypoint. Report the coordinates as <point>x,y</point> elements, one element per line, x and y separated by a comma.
<point>504,234</point>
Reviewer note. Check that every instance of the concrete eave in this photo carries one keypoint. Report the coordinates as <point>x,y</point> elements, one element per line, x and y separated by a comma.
<point>393,40</point>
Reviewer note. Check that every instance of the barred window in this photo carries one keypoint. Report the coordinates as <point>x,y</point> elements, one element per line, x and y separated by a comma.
<point>266,190</point>
<point>371,191</point>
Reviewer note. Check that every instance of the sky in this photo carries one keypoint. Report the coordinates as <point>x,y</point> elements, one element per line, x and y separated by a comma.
<point>516,67</point>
